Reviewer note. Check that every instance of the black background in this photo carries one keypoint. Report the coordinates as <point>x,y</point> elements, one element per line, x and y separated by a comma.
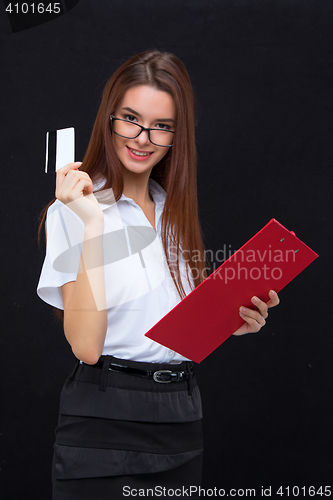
<point>262,73</point>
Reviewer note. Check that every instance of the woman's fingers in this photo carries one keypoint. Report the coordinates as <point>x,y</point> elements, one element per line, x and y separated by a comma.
<point>256,319</point>
<point>62,172</point>
<point>72,183</point>
<point>262,306</point>
<point>82,187</point>
<point>274,299</point>
<point>72,179</point>
<point>252,317</point>
<point>75,189</point>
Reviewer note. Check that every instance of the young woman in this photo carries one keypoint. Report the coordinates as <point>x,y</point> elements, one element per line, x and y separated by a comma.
<point>115,263</point>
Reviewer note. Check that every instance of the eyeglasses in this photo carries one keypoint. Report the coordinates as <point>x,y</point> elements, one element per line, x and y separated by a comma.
<point>131,130</point>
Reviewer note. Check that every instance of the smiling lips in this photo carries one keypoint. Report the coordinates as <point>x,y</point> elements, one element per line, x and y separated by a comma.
<point>136,154</point>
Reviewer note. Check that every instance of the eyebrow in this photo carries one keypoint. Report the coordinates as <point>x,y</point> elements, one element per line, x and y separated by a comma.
<point>158,119</point>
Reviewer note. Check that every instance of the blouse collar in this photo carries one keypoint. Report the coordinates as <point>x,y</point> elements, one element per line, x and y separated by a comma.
<point>106,198</point>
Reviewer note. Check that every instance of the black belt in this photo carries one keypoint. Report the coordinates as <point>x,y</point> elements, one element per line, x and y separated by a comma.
<point>161,376</point>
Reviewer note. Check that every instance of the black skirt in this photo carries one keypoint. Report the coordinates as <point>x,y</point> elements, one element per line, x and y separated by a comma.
<point>118,430</point>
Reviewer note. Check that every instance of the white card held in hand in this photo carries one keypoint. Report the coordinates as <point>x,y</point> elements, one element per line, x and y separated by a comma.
<point>60,148</point>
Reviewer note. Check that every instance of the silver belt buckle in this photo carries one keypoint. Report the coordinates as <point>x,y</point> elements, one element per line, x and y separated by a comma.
<point>161,373</point>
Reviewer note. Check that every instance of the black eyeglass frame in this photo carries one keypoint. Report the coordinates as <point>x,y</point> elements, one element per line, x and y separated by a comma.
<point>112,118</point>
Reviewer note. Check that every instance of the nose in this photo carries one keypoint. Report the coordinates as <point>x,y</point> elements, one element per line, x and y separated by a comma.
<point>143,139</point>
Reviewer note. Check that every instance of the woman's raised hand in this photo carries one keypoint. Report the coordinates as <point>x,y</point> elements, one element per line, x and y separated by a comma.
<point>74,188</point>
<point>256,319</point>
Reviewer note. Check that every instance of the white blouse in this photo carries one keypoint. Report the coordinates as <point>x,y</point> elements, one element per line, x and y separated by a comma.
<point>139,287</point>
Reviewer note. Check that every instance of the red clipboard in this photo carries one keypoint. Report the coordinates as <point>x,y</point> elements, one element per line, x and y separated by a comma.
<point>210,313</point>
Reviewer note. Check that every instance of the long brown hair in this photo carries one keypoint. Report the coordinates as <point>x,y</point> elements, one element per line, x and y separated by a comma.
<point>176,172</point>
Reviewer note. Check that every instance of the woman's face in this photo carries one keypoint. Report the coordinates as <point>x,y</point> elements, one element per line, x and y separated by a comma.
<point>150,108</point>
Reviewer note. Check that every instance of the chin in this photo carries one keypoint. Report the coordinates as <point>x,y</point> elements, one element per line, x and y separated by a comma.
<point>136,169</point>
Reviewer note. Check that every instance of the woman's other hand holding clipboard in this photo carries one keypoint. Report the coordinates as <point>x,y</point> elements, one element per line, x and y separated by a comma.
<point>256,319</point>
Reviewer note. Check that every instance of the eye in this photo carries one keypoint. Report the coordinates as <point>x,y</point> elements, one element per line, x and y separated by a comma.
<point>163,126</point>
<point>130,118</point>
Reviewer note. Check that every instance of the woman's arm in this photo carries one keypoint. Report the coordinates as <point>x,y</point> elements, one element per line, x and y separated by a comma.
<point>85,314</point>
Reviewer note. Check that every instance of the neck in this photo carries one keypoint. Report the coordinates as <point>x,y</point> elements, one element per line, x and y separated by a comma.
<point>136,186</point>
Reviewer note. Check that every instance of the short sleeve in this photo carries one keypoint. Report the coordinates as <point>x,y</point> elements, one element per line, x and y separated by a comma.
<point>64,237</point>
